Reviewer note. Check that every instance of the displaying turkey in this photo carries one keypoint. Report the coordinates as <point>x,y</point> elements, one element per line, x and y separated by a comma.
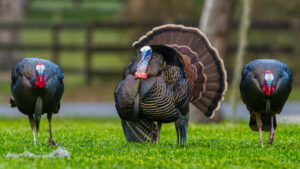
<point>174,65</point>
<point>37,87</point>
<point>265,87</point>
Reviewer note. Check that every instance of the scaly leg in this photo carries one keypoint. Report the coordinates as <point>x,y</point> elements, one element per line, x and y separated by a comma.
<point>31,121</point>
<point>51,140</point>
<point>158,131</point>
<point>272,133</point>
<point>259,125</point>
<point>261,137</point>
<point>151,134</point>
<point>181,129</point>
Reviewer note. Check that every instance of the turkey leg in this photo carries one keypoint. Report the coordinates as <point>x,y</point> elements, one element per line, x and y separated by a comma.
<point>51,140</point>
<point>151,134</point>
<point>272,133</point>
<point>32,125</point>
<point>158,132</point>
<point>181,129</point>
<point>259,125</point>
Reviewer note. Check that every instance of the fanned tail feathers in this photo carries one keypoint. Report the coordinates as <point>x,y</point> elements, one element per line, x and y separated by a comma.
<point>203,68</point>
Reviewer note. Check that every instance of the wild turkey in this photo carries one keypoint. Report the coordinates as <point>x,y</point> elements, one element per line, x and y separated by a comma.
<point>174,65</point>
<point>265,87</point>
<point>37,87</point>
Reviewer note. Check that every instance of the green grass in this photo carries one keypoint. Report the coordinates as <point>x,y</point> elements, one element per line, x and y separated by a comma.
<point>99,143</point>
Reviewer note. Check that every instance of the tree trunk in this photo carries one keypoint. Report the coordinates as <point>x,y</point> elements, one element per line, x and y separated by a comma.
<point>243,31</point>
<point>10,11</point>
<point>296,48</point>
<point>215,23</point>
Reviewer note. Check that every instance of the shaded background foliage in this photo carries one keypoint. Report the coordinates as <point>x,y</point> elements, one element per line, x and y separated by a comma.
<point>142,11</point>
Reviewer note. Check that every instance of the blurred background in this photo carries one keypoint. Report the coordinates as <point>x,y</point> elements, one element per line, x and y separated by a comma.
<point>91,41</point>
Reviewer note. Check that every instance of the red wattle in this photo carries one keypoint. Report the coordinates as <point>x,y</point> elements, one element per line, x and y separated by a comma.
<point>140,75</point>
<point>268,91</point>
<point>40,82</point>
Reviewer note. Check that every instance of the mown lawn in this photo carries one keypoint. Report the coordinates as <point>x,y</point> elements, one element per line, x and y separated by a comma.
<point>99,143</point>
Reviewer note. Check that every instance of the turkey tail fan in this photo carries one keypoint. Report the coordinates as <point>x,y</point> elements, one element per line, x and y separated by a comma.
<point>203,67</point>
<point>168,53</point>
<point>139,131</point>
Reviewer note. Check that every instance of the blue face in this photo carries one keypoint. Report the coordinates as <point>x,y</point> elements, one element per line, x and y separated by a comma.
<point>40,68</point>
<point>269,77</point>
<point>146,56</point>
<point>146,52</point>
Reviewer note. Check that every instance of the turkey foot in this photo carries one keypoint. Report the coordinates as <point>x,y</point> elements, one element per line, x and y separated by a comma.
<point>181,129</point>
<point>52,142</point>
